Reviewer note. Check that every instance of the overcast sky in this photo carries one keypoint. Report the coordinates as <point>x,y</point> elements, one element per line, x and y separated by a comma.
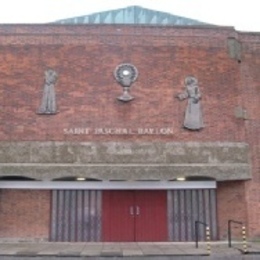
<point>244,15</point>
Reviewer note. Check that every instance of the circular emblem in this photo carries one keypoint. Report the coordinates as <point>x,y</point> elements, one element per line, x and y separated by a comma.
<point>126,74</point>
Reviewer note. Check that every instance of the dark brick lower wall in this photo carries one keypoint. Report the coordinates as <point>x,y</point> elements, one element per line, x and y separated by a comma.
<point>24,214</point>
<point>231,204</point>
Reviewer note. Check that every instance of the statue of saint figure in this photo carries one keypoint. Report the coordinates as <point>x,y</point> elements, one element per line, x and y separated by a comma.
<point>193,114</point>
<point>48,103</point>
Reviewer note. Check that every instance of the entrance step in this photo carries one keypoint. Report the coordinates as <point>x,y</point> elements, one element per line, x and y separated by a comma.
<point>127,251</point>
<point>109,249</point>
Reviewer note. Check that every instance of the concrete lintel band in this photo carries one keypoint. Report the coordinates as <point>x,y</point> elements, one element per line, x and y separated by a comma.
<point>108,185</point>
<point>46,161</point>
<point>220,172</point>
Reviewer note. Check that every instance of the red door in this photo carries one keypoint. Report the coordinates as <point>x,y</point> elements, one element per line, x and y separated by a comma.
<point>134,216</point>
<point>151,216</point>
<point>118,216</point>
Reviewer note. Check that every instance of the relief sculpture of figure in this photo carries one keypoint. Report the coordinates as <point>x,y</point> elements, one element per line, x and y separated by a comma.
<point>193,114</point>
<point>48,103</point>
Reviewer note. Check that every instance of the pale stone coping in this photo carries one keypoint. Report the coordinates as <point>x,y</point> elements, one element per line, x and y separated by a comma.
<point>123,164</point>
<point>123,152</point>
<point>188,143</point>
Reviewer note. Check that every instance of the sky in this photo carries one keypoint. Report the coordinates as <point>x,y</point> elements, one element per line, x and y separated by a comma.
<point>243,15</point>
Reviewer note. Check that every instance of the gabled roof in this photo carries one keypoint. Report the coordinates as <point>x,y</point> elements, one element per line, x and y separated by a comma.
<point>131,15</point>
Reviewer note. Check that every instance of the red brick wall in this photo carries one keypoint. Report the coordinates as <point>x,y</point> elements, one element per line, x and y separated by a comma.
<point>85,58</point>
<point>250,89</point>
<point>231,205</point>
<point>87,91</point>
<point>24,214</point>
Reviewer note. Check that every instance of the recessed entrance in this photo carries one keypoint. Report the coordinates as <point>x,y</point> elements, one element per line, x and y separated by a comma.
<point>140,214</point>
<point>187,206</point>
<point>134,216</point>
<point>76,215</point>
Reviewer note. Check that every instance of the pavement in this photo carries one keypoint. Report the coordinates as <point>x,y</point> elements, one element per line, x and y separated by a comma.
<point>135,250</point>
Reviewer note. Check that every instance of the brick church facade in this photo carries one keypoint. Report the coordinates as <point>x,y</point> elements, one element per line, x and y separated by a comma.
<point>97,168</point>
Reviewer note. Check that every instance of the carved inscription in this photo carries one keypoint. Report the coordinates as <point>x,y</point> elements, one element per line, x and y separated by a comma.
<point>118,131</point>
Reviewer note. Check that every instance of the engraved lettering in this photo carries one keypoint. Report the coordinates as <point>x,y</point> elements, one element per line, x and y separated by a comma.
<point>118,131</point>
<point>76,131</point>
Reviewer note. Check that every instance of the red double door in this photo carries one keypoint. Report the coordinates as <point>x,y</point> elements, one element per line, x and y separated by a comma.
<point>134,216</point>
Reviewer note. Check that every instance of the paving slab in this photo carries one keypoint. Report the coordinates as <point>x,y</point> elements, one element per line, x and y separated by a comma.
<point>111,253</point>
<point>91,249</point>
<point>131,250</point>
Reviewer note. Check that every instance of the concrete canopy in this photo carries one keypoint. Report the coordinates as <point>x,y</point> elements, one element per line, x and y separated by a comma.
<point>125,161</point>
